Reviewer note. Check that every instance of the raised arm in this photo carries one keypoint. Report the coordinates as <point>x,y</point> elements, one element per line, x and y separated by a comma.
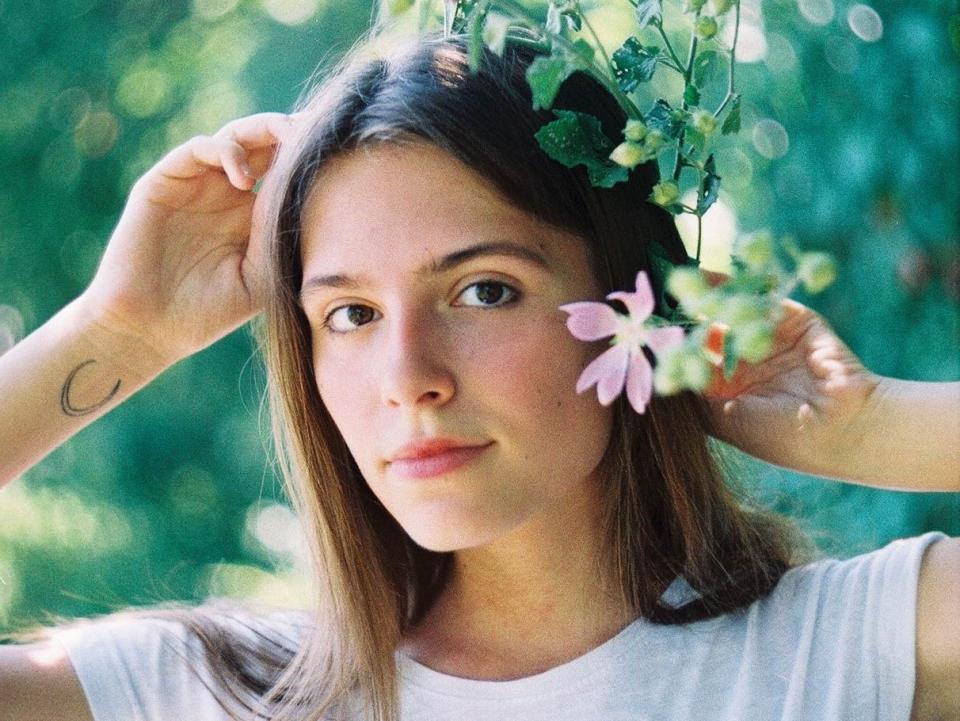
<point>62,377</point>
<point>180,272</point>
<point>811,406</point>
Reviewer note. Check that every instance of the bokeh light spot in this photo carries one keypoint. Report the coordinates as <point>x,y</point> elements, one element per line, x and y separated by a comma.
<point>770,138</point>
<point>816,12</point>
<point>213,9</point>
<point>291,12</point>
<point>97,134</point>
<point>842,55</point>
<point>865,22</point>
<point>69,108</point>
<point>143,91</point>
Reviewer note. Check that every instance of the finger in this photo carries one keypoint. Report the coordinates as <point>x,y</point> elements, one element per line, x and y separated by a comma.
<point>204,152</point>
<point>258,131</point>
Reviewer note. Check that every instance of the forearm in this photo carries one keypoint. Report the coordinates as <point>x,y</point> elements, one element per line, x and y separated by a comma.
<point>910,439</point>
<point>61,378</point>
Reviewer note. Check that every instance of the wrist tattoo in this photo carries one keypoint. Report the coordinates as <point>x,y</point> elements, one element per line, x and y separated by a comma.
<point>72,410</point>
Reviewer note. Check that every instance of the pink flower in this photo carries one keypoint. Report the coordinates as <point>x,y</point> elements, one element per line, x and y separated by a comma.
<point>624,362</point>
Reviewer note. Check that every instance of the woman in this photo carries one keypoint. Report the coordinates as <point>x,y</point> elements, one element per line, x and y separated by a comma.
<point>490,543</point>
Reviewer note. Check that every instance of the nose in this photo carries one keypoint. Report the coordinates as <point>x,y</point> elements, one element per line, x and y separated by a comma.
<point>416,366</point>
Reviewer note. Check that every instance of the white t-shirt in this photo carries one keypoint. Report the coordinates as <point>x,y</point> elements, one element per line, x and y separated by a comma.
<point>834,640</point>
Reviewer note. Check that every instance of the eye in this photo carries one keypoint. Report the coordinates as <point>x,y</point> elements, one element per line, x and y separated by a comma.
<point>358,314</point>
<point>489,293</point>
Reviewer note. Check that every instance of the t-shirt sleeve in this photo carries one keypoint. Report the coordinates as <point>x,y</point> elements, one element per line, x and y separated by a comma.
<point>863,635</point>
<point>138,670</point>
<point>141,668</point>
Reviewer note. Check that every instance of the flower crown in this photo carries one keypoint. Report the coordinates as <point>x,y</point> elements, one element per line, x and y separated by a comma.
<point>702,324</point>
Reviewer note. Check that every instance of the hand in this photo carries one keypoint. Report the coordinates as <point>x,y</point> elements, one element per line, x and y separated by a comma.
<point>802,407</point>
<point>180,270</point>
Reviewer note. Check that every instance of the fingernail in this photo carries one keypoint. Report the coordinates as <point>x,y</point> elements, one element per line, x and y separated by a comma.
<point>246,169</point>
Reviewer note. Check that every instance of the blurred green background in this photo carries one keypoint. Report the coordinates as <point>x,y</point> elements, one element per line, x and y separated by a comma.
<point>849,144</point>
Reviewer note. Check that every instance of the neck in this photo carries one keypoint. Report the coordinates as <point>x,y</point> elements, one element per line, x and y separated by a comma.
<point>527,602</point>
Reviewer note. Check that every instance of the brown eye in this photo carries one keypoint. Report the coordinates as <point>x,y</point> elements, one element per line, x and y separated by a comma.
<point>347,317</point>
<point>490,293</point>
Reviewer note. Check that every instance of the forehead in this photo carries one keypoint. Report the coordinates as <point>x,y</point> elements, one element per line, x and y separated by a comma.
<point>399,207</point>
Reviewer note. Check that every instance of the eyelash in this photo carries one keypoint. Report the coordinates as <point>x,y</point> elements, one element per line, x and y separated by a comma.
<point>513,293</point>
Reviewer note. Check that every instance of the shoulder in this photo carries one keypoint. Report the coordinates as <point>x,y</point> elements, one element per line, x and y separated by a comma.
<point>156,663</point>
<point>938,633</point>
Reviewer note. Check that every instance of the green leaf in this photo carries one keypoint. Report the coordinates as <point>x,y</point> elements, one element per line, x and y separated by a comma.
<point>578,139</point>
<point>546,73</point>
<point>707,67</point>
<point>710,186</point>
<point>695,138</point>
<point>634,64</point>
<point>573,18</point>
<point>662,117</point>
<point>691,95</point>
<point>558,17</point>
<point>729,356</point>
<point>649,11</point>
<point>732,122</point>
<point>475,24</point>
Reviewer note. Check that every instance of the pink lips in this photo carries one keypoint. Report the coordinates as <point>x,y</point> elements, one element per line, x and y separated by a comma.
<point>435,464</point>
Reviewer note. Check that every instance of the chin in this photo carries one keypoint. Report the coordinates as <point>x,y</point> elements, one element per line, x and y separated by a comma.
<point>447,535</point>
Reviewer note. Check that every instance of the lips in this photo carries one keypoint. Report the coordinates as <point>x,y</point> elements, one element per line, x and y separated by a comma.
<point>427,447</point>
<point>431,464</point>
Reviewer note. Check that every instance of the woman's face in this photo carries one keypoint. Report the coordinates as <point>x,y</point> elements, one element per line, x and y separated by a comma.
<point>433,306</point>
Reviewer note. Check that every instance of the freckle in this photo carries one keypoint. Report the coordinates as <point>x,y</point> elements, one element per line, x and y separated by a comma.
<point>559,403</point>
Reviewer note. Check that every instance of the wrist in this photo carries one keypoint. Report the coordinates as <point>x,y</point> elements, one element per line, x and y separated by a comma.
<point>122,342</point>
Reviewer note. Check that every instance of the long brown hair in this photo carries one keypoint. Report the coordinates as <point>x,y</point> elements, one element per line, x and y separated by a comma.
<point>668,510</point>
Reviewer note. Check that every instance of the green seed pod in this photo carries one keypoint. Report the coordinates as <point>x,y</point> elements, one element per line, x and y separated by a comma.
<point>816,271</point>
<point>706,27</point>
<point>721,6</point>
<point>696,371</point>
<point>654,140</point>
<point>398,7</point>
<point>739,310</point>
<point>756,250</point>
<point>634,130</point>
<point>704,122</point>
<point>753,341</point>
<point>668,374</point>
<point>687,285</point>
<point>629,154</point>
<point>692,6</point>
<point>665,193</point>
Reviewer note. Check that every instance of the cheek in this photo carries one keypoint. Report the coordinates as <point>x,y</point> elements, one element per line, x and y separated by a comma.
<point>534,380</point>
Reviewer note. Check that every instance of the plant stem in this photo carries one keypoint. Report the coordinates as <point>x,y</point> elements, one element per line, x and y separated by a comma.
<point>687,74</point>
<point>733,62</point>
<point>666,41</point>
<point>699,213</point>
<point>602,75</point>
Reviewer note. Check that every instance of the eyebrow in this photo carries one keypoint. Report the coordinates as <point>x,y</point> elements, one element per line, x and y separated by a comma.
<point>447,262</point>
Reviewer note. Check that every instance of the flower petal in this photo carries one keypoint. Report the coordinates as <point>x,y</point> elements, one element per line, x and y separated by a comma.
<point>608,371</point>
<point>639,303</point>
<point>639,382</point>
<point>590,320</point>
<point>664,338</point>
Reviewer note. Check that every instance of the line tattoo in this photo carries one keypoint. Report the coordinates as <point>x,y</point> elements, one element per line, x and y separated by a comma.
<point>72,410</point>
